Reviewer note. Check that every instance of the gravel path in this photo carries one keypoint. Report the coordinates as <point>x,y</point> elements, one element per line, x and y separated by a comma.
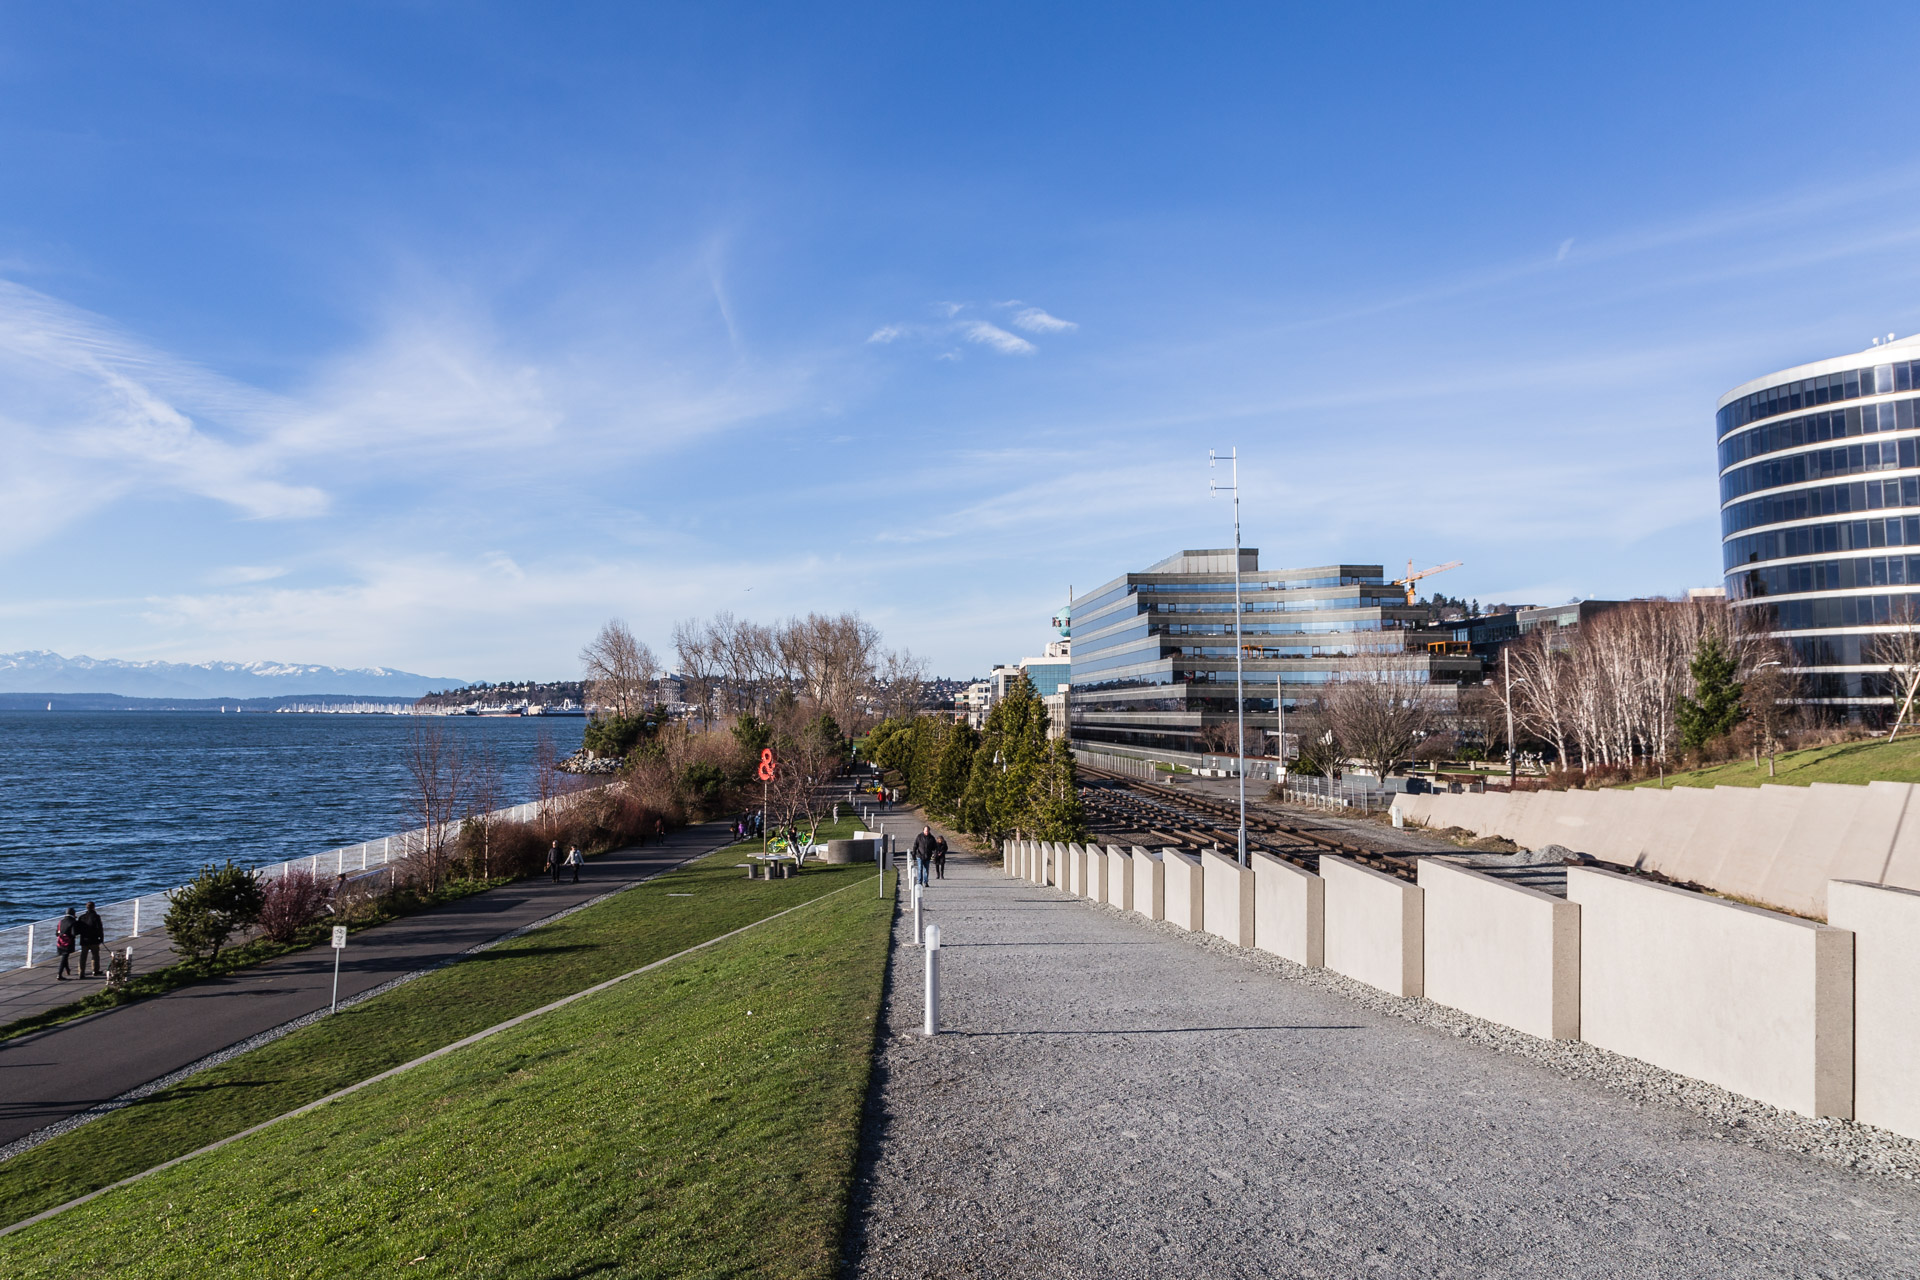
<point>1117,1098</point>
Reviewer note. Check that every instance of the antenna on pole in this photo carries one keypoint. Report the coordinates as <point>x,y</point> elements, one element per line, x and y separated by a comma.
<point>1214,487</point>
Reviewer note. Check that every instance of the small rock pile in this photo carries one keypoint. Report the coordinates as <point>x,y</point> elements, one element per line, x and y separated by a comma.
<point>585,762</point>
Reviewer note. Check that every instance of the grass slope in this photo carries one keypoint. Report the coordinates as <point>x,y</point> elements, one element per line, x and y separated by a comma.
<point>700,1120</point>
<point>643,924</point>
<point>1850,762</point>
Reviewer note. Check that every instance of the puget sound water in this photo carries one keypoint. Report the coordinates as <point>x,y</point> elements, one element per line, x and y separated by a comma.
<point>108,804</point>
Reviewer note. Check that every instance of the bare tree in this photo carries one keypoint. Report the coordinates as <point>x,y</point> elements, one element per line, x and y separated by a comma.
<point>695,649</point>
<point>485,788</point>
<point>438,775</point>
<point>900,679</point>
<point>1380,709</point>
<point>1899,652</point>
<point>620,669</point>
<point>1767,695</point>
<point>832,662</point>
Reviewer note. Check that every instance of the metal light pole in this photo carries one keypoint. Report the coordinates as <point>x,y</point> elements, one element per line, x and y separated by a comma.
<point>1239,656</point>
<point>1513,758</point>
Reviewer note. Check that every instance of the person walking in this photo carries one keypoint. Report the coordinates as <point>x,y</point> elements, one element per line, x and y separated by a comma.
<point>940,857</point>
<point>92,931</point>
<point>553,862</point>
<point>65,934</point>
<point>922,854</point>
<point>573,860</point>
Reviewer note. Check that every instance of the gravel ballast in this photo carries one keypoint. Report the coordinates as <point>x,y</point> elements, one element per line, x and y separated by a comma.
<point>1119,1098</point>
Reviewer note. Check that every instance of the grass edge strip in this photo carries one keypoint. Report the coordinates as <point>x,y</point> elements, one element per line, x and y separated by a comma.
<point>441,1052</point>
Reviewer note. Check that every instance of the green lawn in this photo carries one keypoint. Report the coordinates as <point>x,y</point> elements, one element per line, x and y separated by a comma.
<point>1854,762</point>
<point>701,1120</point>
<point>641,925</point>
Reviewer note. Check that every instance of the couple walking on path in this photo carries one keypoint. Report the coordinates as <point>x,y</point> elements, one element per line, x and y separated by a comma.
<point>929,850</point>
<point>555,862</point>
<point>83,933</point>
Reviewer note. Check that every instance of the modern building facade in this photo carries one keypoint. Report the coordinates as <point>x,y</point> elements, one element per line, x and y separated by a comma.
<point>1153,652</point>
<point>1820,511</point>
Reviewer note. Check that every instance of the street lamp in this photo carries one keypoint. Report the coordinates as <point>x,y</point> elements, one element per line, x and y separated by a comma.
<point>1239,657</point>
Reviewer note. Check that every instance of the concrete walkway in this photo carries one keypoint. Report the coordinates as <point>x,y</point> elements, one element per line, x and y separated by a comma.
<point>49,1075</point>
<point>1116,1100</point>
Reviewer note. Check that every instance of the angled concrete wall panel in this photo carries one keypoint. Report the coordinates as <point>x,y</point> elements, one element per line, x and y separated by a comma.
<point>1754,1001</point>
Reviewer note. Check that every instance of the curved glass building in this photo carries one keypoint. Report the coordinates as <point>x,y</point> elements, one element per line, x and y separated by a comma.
<point>1820,510</point>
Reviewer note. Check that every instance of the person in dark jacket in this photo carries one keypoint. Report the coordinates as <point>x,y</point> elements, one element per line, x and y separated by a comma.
<point>92,931</point>
<point>553,862</point>
<point>940,857</point>
<point>922,854</point>
<point>66,934</point>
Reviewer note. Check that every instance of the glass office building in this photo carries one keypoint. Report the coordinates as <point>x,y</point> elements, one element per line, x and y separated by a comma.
<point>1820,511</point>
<point>1153,652</point>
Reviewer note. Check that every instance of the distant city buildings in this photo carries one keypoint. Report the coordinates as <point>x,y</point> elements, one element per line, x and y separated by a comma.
<point>1820,511</point>
<point>1153,651</point>
<point>1049,673</point>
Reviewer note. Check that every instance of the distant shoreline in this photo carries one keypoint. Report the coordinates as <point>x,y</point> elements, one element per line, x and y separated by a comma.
<point>324,703</point>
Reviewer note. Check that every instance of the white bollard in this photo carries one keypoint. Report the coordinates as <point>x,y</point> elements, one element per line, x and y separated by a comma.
<point>916,913</point>
<point>932,1026</point>
<point>1398,820</point>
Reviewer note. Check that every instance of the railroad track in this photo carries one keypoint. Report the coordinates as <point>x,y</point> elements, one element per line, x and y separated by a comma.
<point>1123,808</point>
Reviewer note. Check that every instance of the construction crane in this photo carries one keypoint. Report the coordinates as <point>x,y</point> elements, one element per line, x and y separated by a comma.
<point>1413,577</point>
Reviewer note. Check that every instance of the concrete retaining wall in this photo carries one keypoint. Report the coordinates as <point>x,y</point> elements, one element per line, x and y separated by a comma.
<point>1226,907</point>
<point>1755,1001</point>
<point>1501,951</point>
<point>1096,873</point>
<point>1772,844</point>
<point>1374,929</point>
<point>1119,878</point>
<point>1886,1001</point>
<point>1149,884</point>
<point>1289,910</point>
<point>1185,890</point>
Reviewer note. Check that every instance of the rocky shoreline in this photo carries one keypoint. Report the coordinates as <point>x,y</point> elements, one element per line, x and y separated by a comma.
<point>586,762</point>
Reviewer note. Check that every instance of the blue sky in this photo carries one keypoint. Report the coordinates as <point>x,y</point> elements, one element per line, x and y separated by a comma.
<point>432,335</point>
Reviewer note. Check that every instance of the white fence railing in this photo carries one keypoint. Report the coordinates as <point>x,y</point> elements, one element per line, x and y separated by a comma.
<point>27,945</point>
<point>1326,793</point>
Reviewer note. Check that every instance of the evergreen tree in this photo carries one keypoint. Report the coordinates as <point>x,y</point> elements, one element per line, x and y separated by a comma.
<point>1055,812</point>
<point>220,902</point>
<point>1714,708</point>
<point>929,735</point>
<point>1006,764</point>
<point>952,771</point>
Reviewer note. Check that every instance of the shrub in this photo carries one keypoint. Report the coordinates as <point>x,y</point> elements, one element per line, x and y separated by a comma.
<point>289,904</point>
<point>705,786</point>
<point>220,902</point>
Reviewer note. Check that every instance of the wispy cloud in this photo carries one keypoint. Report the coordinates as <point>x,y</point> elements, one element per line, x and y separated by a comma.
<point>91,414</point>
<point>1566,247</point>
<point>996,338</point>
<point>1034,320</point>
<point>983,333</point>
<point>242,574</point>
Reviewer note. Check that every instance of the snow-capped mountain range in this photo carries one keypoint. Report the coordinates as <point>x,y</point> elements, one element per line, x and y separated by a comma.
<point>40,671</point>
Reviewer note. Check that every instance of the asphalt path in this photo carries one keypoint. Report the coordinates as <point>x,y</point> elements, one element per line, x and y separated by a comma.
<point>50,1075</point>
